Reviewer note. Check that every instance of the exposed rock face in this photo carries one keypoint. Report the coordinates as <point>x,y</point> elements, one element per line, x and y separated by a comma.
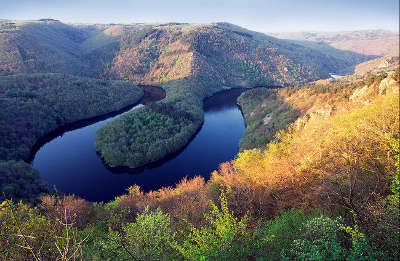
<point>359,94</point>
<point>388,85</point>
<point>322,112</point>
<point>267,119</point>
<point>364,94</point>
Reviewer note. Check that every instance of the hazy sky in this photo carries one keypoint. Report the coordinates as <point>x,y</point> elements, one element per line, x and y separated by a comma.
<point>260,15</point>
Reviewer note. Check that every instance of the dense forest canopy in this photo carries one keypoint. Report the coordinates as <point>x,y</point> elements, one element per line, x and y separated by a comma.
<point>36,104</point>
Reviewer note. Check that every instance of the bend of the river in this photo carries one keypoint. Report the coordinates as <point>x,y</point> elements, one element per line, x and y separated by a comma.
<point>71,164</point>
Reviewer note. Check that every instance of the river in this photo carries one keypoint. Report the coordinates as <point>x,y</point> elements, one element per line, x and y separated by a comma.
<point>70,162</point>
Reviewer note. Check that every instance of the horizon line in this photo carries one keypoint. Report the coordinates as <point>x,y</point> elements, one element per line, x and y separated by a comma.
<point>210,23</point>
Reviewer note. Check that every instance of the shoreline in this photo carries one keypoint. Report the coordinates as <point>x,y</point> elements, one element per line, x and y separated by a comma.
<point>61,130</point>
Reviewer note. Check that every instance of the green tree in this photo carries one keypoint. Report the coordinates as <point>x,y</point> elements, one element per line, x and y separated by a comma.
<point>320,241</point>
<point>148,238</point>
<point>224,237</point>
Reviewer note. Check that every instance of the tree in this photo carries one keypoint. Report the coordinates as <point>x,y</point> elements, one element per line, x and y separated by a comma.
<point>224,237</point>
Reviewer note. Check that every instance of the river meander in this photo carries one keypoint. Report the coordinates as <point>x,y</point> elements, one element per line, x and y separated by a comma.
<point>70,162</point>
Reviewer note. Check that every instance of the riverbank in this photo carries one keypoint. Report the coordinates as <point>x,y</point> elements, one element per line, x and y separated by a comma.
<point>265,113</point>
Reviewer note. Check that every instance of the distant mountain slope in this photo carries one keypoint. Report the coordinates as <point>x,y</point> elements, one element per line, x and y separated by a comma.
<point>159,53</point>
<point>389,62</point>
<point>231,54</point>
<point>368,42</point>
<point>40,46</point>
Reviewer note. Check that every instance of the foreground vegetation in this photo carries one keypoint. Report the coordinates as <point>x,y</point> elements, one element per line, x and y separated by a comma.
<point>327,188</point>
<point>152,235</point>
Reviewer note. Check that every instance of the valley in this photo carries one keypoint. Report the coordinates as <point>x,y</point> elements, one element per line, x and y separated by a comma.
<point>191,62</point>
<point>191,141</point>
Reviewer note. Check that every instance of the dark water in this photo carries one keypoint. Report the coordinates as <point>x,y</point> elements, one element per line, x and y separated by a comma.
<point>71,164</point>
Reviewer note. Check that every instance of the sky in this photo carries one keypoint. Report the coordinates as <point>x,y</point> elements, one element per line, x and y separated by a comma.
<point>258,15</point>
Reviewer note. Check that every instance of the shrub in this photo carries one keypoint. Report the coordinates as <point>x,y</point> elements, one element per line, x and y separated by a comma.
<point>224,237</point>
<point>324,238</point>
<point>25,234</point>
<point>320,241</point>
<point>282,230</point>
<point>148,238</point>
<point>22,231</point>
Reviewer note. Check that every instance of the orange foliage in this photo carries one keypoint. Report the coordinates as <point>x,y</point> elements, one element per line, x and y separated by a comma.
<point>67,210</point>
<point>187,201</point>
<point>328,161</point>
